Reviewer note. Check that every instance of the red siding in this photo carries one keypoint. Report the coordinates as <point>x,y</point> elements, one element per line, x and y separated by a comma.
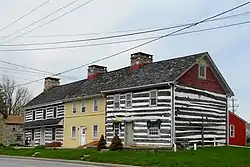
<point>240,130</point>
<point>190,78</point>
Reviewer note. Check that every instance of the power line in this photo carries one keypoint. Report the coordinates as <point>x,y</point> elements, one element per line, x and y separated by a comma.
<point>122,35</point>
<point>15,77</point>
<point>145,43</point>
<point>40,19</point>
<point>123,41</point>
<point>141,29</point>
<point>20,18</point>
<point>34,70</point>
<point>78,7</point>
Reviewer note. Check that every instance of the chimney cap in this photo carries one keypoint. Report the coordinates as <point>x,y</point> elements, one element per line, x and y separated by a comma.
<point>138,54</point>
<point>97,66</point>
<point>52,78</point>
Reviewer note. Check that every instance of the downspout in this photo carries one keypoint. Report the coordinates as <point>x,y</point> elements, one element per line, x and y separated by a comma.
<point>173,115</point>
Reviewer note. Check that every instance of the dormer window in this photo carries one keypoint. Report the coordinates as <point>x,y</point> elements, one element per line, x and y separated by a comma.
<point>202,71</point>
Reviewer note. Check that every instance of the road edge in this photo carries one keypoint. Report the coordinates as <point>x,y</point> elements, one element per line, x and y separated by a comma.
<point>68,161</point>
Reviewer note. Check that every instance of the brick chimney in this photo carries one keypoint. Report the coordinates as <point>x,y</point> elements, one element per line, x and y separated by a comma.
<point>50,83</point>
<point>139,59</point>
<point>95,70</point>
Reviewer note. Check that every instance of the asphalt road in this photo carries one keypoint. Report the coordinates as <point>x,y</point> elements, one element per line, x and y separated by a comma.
<point>12,162</point>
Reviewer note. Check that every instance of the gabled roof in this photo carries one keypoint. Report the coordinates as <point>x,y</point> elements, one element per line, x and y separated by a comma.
<point>238,116</point>
<point>158,72</point>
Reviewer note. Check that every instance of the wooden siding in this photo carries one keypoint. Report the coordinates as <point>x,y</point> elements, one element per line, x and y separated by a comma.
<point>190,105</point>
<point>140,113</point>
<point>191,79</point>
<point>49,113</point>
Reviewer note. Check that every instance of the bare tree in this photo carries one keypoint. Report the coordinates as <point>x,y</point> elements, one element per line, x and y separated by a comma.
<point>15,97</point>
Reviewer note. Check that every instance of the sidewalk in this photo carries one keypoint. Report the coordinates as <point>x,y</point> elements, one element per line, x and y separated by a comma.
<point>68,161</point>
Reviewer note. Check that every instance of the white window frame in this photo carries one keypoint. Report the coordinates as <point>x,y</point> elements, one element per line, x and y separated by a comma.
<point>95,134</point>
<point>232,129</point>
<point>150,98</point>
<point>95,105</point>
<point>73,137</point>
<point>117,128</point>
<point>119,101</point>
<point>126,100</point>
<point>74,109</point>
<point>199,71</point>
<point>84,106</point>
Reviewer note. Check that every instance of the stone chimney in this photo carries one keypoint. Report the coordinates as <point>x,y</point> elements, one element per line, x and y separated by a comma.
<point>50,83</point>
<point>95,70</point>
<point>139,59</point>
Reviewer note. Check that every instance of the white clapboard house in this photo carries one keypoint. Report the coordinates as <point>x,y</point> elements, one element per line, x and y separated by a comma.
<point>180,100</point>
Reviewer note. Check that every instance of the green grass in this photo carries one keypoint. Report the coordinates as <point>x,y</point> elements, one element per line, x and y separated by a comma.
<point>205,157</point>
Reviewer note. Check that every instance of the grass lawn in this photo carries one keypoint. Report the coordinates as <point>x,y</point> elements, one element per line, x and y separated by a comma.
<point>205,157</point>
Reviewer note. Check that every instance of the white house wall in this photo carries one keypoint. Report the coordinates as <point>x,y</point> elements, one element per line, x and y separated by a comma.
<point>140,113</point>
<point>190,105</point>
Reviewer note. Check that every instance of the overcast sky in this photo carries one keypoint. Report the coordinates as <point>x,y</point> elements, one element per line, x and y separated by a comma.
<point>229,47</point>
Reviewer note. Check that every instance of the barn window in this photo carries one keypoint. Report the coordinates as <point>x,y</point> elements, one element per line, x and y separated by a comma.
<point>117,128</point>
<point>153,98</point>
<point>128,100</point>
<point>232,131</point>
<point>202,71</point>
<point>34,115</point>
<point>117,101</point>
<point>154,127</point>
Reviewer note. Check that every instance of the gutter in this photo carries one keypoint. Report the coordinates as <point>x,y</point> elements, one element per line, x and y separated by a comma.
<point>137,87</point>
<point>82,97</point>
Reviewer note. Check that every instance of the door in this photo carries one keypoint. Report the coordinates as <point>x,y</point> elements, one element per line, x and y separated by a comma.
<point>82,135</point>
<point>129,134</point>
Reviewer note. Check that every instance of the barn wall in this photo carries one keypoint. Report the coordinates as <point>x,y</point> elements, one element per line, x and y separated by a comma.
<point>240,130</point>
<point>190,105</point>
<point>140,113</point>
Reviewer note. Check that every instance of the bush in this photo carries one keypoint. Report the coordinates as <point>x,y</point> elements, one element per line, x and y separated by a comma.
<point>101,143</point>
<point>2,145</point>
<point>40,147</point>
<point>116,144</point>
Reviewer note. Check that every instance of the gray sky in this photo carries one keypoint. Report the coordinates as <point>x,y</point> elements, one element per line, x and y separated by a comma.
<point>228,47</point>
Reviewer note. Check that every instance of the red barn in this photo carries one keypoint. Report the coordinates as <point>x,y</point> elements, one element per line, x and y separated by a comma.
<point>237,130</point>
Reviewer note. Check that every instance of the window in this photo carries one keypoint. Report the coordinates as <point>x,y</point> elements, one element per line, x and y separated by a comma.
<point>19,137</point>
<point>154,128</point>
<point>32,134</point>
<point>44,113</point>
<point>95,131</point>
<point>13,129</point>
<point>232,133</point>
<point>128,100</point>
<point>73,132</point>
<point>95,105</point>
<point>83,106</point>
<point>153,97</point>
<point>116,101</point>
<point>54,112</point>
<point>34,115</point>
<point>74,107</point>
<point>202,71</point>
<point>53,134</point>
<point>117,128</point>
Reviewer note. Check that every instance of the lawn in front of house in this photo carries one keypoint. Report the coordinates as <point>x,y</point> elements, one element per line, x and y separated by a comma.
<point>203,157</point>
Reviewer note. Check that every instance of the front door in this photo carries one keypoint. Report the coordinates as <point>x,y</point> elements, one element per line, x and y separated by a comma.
<point>82,135</point>
<point>129,134</point>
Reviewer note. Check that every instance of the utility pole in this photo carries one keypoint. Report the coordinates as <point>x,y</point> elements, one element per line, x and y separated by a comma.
<point>234,105</point>
<point>202,131</point>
